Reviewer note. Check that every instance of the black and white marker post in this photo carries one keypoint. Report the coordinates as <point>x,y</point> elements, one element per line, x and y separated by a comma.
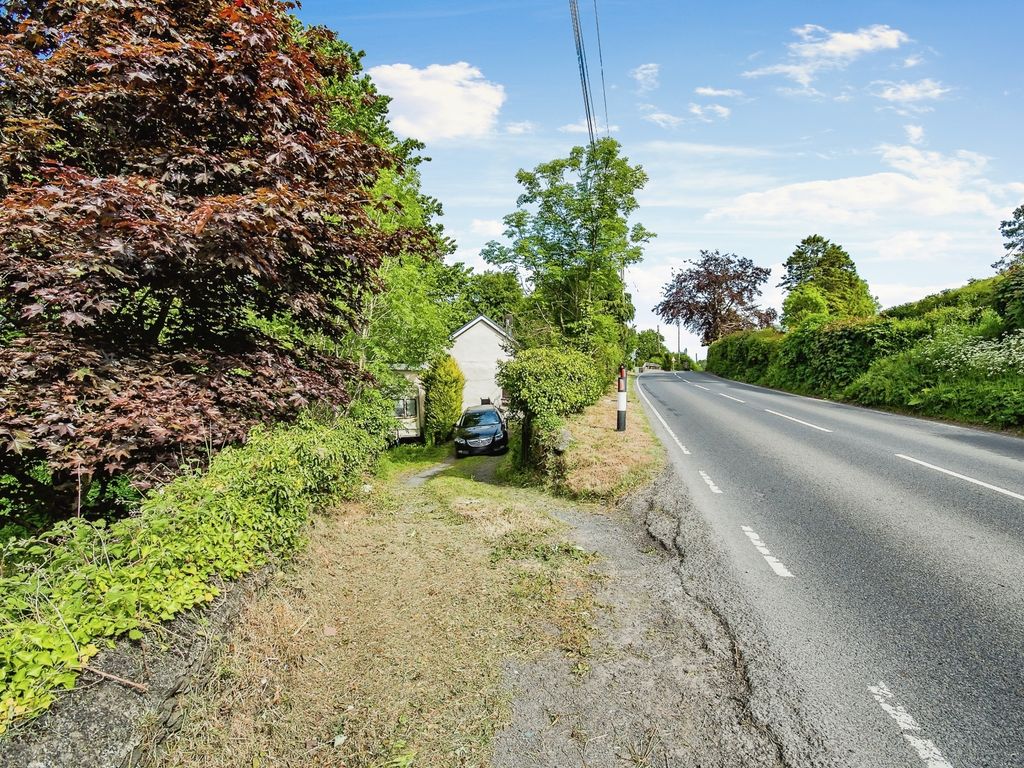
<point>621,423</point>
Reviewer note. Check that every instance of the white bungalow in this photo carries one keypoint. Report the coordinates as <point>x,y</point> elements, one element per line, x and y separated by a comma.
<point>477,347</point>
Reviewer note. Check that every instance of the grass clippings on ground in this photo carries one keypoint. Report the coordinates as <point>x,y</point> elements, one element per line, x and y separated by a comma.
<point>602,463</point>
<point>384,644</point>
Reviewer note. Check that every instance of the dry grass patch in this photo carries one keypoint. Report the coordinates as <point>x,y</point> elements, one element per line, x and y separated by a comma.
<point>604,464</point>
<point>383,645</point>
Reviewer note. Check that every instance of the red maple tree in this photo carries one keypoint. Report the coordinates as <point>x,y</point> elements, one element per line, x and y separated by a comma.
<point>171,182</point>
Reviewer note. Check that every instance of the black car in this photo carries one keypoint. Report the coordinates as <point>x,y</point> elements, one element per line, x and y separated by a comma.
<point>481,429</point>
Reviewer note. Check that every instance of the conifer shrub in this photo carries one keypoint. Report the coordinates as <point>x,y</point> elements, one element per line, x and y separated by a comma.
<point>443,383</point>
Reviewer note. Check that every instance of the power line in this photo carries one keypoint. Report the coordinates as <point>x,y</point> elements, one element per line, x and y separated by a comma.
<point>600,58</point>
<point>581,58</point>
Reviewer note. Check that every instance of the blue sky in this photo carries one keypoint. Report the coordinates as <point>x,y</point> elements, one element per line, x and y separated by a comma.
<point>891,128</point>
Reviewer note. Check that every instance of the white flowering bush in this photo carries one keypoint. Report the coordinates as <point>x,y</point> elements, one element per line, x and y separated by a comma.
<point>962,354</point>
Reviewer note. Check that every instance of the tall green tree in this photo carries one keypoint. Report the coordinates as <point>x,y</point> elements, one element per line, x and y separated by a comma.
<point>826,265</point>
<point>650,345</point>
<point>802,302</point>
<point>1012,231</point>
<point>570,238</point>
<point>497,295</point>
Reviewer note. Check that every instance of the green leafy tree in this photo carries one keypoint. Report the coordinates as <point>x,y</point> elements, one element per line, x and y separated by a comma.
<point>443,384</point>
<point>1012,231</point>
<point>497,295</point>
<point>570,239</point>
<point>825,264</point>
<point>649,346</point>
<point>716,296</point>
<point>801,302</point>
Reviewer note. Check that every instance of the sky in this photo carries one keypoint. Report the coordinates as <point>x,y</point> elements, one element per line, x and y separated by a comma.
<point>893,129</point>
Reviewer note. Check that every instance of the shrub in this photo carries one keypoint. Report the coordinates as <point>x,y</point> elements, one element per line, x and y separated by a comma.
<point>745,356</point>
<point>1009,301</point>
<point>443,385</point>
<point>545,380</point>
<point>976,294</point>
<point>895,381</point>
<point>84,583</point>
<point>546,384</point>
<point>823,356</point>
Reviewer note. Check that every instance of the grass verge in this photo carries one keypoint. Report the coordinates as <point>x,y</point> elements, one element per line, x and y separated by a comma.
<point>604,464</point>
<point>384,643</point>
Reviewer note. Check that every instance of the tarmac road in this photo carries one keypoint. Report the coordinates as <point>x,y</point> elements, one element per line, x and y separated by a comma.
<point>871,567</point>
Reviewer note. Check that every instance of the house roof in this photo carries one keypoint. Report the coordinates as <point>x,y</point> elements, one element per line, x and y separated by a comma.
<point>486,320</point>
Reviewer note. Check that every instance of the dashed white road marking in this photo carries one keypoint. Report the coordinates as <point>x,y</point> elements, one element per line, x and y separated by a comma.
<point>663,422</point>
<point>698,386</point>
<point>925,748</point>
<point>732,398</point>
<point>957,475</point>
<point>798,421</point>
<point>774,562</point>
<point>711,483</point>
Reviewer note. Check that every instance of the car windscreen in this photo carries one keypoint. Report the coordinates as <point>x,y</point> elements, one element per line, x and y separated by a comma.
<point>479,419</point>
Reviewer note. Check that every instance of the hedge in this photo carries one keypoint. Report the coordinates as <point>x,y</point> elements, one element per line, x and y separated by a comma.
<point>443,386</point>
<point>86,582</point>
<point>546,384</point>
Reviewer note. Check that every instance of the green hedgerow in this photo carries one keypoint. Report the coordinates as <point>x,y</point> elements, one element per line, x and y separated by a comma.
<point>84,583</point>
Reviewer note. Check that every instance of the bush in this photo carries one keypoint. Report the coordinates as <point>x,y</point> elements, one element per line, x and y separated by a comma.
<point>1010,297</point>
<point>547,381</point>
<point>977,294</point>
<point>443,385</point>
<point>894,382</point>
<point>823,356</point>
<point>745,356</point>
<point>545,385</point>
<point>87,582</point>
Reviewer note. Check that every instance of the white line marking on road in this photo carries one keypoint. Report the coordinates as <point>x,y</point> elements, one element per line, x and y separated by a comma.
<point>925,748</point>
<point>798,421</point>
<point>774,562</point>
<point>711,483</point>
<point>663,422</point>
<point>700,387</point>
<point>991,487</point>
<point>732,398</point>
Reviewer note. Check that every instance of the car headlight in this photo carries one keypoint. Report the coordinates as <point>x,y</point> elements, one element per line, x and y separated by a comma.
<point>498,435</point>
<point>460,440</point>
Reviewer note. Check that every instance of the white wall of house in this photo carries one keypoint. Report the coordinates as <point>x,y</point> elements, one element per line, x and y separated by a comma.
<point>477,349</point>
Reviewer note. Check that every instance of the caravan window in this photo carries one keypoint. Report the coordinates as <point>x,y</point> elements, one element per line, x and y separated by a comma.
<point>406,408</point>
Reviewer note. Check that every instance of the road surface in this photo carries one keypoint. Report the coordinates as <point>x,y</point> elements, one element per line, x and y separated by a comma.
<point>871,567</point>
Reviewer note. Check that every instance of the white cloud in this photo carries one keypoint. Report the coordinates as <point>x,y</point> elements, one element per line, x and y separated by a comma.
<point>674,148</point>
<point>915,133</point>
<point>646,76</point>
<point>912,61</point>
<point>920,184</point>
<point>905,93</point>
<point>663,119</point>
<point>441,101</point>
<point>820,49</point>
<point>489,228</point>
<point>912,245</point>
<point>580,126</point>
<point>709,111</point>
<point>517,129</point>
<point>717,92</point>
